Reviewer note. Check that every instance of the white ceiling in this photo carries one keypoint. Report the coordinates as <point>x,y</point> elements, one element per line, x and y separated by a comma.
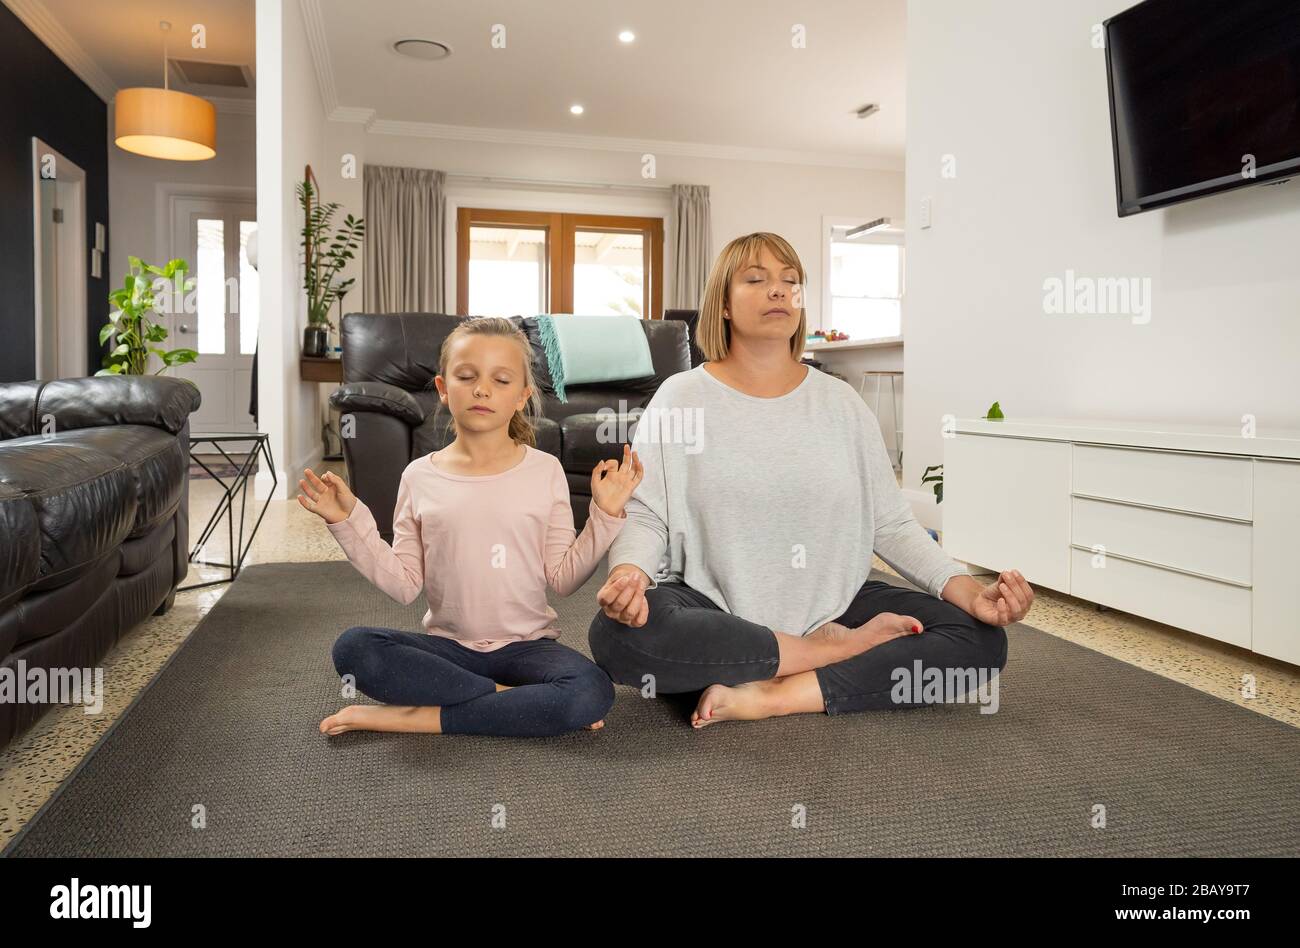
<point>115,45</point>
<point>715,72</point>
<point>711,74</point>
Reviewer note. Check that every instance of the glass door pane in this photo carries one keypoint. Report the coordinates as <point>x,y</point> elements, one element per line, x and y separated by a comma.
<point>248,289</point>
<point>608,273</point>
<point>507,271</point>
<point>210,285</point>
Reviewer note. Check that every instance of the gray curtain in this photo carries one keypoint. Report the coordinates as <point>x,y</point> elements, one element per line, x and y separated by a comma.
<point>405,211</point>
<point>692,243</point>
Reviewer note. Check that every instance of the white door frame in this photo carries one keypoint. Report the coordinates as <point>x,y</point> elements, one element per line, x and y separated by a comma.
<point>71,318</point>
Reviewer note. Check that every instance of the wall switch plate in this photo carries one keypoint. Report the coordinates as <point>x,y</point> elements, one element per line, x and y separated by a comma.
<point>927,211</point>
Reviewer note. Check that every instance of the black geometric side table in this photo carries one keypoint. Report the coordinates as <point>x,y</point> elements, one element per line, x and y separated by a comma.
<point>238,485</point>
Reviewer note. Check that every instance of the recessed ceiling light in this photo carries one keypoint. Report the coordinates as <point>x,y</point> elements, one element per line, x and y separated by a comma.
<point>626,36</point>
<point>575,109</point>
<point>422,49</point>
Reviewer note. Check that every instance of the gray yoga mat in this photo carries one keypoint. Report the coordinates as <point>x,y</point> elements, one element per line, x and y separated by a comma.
<point>230,724</point>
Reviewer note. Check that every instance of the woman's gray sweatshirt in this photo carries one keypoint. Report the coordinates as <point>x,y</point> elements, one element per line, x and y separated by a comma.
<point>771,507</point>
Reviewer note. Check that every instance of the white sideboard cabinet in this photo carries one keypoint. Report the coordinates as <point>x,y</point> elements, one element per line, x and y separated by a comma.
<point>1195,527</point>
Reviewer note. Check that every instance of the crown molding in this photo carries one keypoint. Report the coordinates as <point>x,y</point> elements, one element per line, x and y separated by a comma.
<point>318,46</point>
<point>639,146</point>
<point>353,116</point>
<point>37,18</point>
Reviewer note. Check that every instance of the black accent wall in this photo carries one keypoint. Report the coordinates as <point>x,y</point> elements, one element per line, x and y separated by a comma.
<point>41,97</point>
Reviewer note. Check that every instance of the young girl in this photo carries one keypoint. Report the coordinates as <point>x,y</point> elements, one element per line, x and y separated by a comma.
<point>481,528</point>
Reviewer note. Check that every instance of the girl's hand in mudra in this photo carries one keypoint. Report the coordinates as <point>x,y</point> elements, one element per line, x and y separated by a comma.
<point>328,498</point>
<point>612,483</point>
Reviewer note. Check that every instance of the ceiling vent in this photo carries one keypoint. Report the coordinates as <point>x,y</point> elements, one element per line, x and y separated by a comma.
<point>422,48</point>
<point>196,73</point>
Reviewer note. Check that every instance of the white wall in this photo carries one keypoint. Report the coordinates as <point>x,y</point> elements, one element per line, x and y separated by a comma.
<point>134,182</point>
<point>1016,93</point>
<point>290,120</point>
<point>745,196</point>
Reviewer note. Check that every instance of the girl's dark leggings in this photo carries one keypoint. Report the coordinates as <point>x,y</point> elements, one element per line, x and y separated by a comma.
<point>554,689</point>
<point>688,643</point>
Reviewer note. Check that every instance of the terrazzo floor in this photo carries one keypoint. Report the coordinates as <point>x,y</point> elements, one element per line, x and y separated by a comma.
<point>34,764</point>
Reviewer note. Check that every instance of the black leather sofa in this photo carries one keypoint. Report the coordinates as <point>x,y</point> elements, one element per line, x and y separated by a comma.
<point>392,414</point>
<point>94,508</point>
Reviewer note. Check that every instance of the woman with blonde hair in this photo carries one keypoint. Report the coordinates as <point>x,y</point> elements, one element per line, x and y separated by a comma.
<point>742,570</point>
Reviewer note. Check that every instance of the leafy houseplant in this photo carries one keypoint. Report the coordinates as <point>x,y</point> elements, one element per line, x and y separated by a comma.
<point>130,322</point>
<point>936,480</point>
<point>325,252</point>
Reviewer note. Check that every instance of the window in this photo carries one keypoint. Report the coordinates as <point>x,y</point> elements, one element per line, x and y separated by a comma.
<point>523,263</point>
<point>866,285</point>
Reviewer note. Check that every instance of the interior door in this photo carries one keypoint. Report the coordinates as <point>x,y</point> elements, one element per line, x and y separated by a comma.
<point>220,317</point>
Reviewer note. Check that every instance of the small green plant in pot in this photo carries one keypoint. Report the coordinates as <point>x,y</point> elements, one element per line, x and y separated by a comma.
<point>325,253</point>
<point>935,480</point>
<point>131,325</point>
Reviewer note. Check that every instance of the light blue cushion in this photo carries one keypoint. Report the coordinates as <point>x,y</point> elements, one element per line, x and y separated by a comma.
<point>582,349</point>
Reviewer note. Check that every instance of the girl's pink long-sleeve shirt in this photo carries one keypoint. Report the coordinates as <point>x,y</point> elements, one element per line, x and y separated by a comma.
<point>482,548</point>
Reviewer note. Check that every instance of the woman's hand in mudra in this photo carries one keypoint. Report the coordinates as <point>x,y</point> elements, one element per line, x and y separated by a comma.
<point>328,498</point>
<point>622,598</point>
<point>1005,600</point>
<point>612,483</point>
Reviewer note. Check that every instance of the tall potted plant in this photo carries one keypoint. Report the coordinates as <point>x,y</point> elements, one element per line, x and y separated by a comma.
<point>325,252</point>
<point>131,326</point>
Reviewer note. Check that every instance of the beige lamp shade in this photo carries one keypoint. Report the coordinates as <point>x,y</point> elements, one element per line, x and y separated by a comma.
<point>163,123</point>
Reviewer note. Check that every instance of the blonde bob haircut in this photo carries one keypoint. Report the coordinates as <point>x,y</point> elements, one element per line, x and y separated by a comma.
<point>713,332</point>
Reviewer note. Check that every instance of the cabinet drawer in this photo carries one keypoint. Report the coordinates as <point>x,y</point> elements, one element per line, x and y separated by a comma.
<point>1220,548</point>
<point>1203,606</point>
<point>1198,482</point>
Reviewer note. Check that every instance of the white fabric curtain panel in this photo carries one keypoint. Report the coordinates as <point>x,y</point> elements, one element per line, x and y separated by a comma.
<point>405,211</point>
<point>692,243</point>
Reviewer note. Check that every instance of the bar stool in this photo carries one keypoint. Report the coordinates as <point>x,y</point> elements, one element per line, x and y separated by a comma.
<point>880,375</point>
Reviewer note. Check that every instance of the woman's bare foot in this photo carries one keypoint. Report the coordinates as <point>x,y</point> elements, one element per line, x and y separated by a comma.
<point>850,641</point>
<point>384,717</point>
<point>751,701</point>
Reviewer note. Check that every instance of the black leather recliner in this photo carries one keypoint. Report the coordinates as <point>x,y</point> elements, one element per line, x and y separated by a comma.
<point>392,414</point>
<point>94,518</point>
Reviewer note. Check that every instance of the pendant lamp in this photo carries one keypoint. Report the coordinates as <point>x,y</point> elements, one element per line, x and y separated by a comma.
<point>163,123</point>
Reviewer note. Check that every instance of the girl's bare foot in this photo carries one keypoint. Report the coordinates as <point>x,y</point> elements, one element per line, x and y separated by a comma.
<point>384,717</point>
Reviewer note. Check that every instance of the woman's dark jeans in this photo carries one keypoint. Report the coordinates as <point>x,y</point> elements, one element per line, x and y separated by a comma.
<point>553,688</point>
<point>688,643</point>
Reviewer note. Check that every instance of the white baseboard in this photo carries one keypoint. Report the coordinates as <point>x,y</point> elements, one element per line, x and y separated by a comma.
<point>262,485</point>
<point>288,485</point>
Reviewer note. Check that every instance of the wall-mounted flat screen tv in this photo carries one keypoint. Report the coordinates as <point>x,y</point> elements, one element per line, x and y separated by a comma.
<point>1204,97</point>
